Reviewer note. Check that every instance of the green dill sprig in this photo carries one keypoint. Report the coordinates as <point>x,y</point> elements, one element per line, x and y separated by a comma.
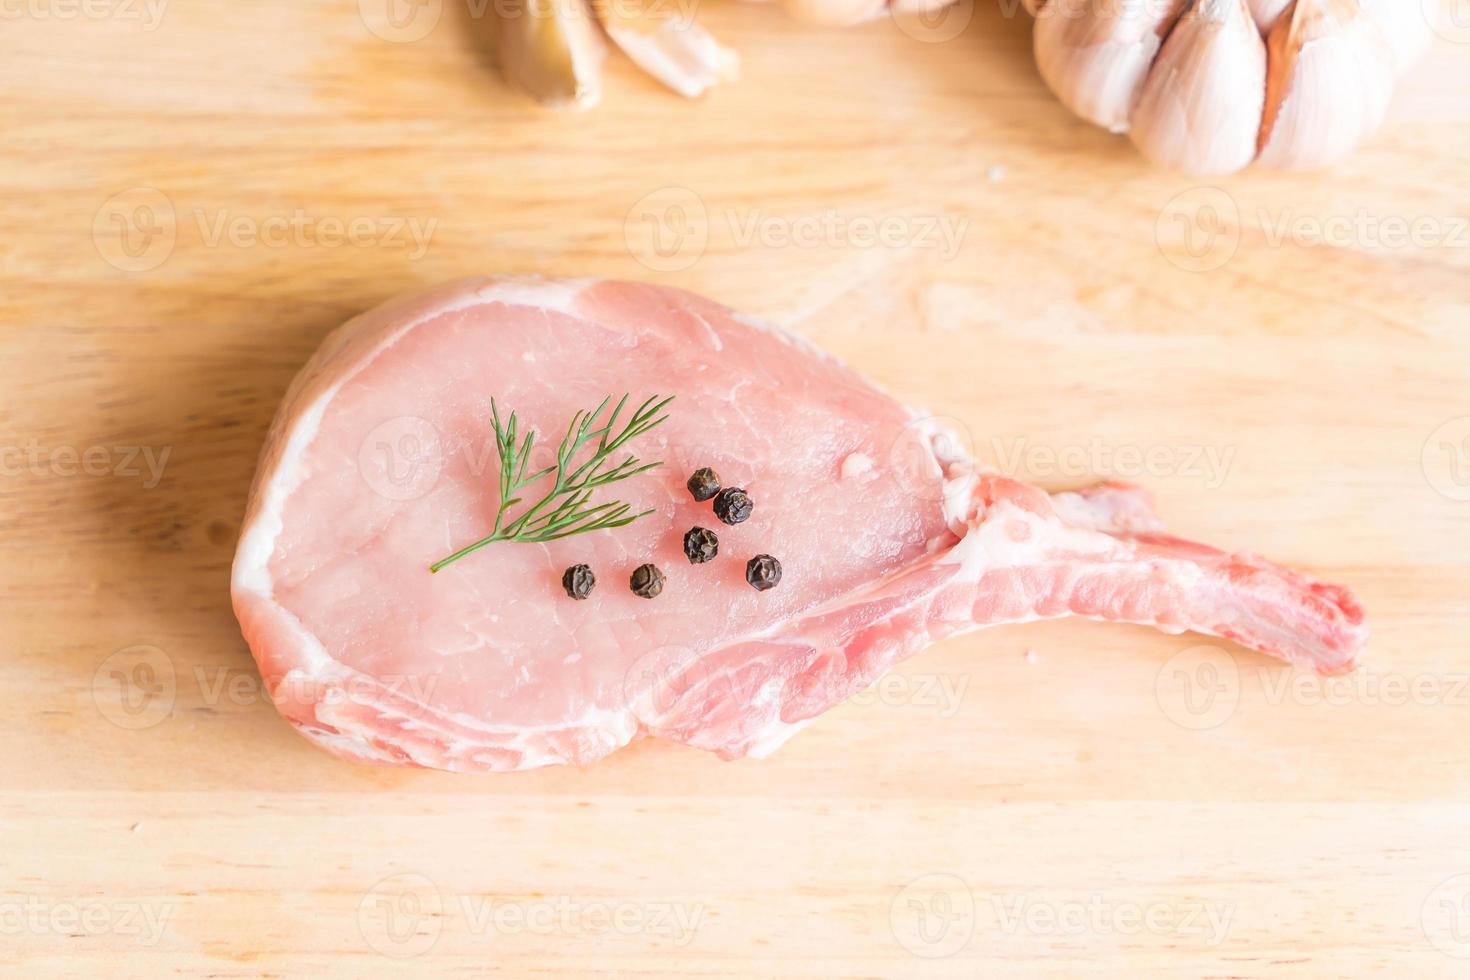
<point>566,509</point>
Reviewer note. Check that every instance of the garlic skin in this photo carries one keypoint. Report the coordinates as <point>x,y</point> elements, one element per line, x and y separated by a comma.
<point>1267,12</point>
<point>551,49</point>
<point>1095,54</point>
<point>1202,103</point>
<point>1331,78</point>
<point>670,47</point>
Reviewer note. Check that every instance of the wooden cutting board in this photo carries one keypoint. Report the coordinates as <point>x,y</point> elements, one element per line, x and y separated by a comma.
<point>190,202</point>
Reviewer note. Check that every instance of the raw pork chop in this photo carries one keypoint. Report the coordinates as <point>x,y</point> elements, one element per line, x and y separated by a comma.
<point>381,461</point>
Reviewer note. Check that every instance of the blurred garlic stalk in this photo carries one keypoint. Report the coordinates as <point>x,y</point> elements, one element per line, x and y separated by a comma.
<point>551,49</point>
<point>1210,86</point>
<point>664,41</point>
<point>554,49</point>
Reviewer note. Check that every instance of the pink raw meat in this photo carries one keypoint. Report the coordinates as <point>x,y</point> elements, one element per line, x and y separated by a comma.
<point>381,460</point>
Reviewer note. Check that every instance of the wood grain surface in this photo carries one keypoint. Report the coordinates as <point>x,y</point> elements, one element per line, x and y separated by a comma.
<point>190,201</point>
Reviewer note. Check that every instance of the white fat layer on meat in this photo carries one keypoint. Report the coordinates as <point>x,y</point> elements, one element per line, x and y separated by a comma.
<point>775,735</point>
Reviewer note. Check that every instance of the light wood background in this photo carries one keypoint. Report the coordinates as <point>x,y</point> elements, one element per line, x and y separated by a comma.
<point>1055,800</point>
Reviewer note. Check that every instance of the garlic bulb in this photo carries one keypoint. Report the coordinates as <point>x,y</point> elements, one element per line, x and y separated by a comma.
<point>1291,84</point>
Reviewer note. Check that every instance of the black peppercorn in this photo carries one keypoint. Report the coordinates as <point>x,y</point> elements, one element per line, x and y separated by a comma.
<point>700,545</point>
<point>704,484</point>
<point>733,505</point>
<point>647,581</point>
<point>763,572</point>
<point>578,581</point>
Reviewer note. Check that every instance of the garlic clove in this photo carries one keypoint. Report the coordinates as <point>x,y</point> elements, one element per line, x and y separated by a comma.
<point>1330,81</point>
<point>667,44</point>
<point>1201,106</point>
<point>1095,54</point>
<point>1405,25</point>
<point>551,49</point>
<point>1267,12</point>
<point>834,13</point>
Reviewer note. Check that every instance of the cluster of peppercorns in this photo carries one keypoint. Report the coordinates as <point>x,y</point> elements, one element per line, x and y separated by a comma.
<point>732,506</point>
